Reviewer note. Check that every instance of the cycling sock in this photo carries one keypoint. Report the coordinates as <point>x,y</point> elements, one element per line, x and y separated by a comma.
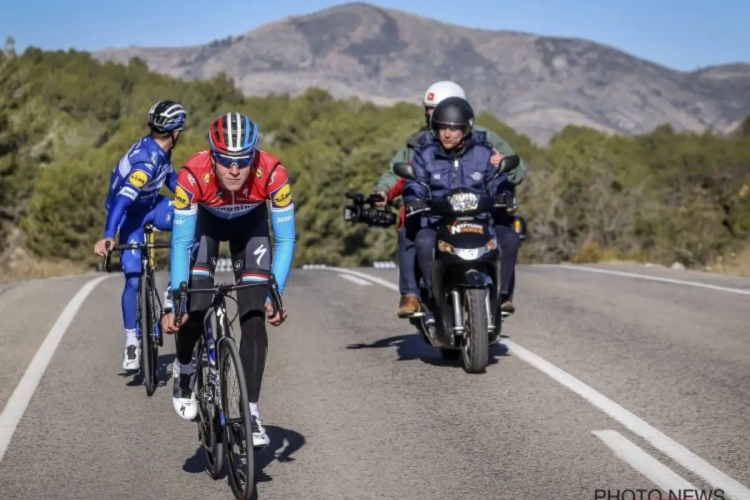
<point>254,410</point>
<point>130,337</point>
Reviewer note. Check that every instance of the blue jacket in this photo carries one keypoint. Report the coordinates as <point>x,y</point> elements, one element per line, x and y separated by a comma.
<point>468,168</point>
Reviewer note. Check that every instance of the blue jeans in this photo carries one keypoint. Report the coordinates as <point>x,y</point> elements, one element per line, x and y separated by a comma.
<point>424,239</point>
<point>407,254</point>
<point>131,231</point>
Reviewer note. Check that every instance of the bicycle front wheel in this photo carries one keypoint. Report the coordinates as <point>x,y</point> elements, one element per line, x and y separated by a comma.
<point>147,314</point>
<point>209,424</point>
<point>237,431</point>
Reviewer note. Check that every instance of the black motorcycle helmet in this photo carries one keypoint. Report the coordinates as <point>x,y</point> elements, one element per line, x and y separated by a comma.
<point>454,112</point>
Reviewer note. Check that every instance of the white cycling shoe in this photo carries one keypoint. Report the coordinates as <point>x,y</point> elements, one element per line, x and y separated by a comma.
<point>131,359</point>
<point>260,438</point>
<point>183,393</point>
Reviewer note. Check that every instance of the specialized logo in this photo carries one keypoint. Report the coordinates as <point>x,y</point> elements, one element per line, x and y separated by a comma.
<point>238,264</point>
<point>283,196</point>
<point>260,252</point>
<point>138,179</point>
<point>181,198</point>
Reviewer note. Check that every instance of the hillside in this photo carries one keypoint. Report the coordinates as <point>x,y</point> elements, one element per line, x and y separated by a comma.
<point>536,84</point>
<point>66,119</point>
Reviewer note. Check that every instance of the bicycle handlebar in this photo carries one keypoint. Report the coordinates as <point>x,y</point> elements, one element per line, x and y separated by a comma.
<point>129,246</point>
<point>225,289</point>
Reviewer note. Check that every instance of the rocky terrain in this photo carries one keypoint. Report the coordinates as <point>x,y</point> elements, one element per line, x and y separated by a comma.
<point>534,83</point>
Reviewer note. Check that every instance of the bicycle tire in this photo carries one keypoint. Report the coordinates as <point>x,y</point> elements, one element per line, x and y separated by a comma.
<point>147,328</point>
<point>242,489</point>
<point>153,300</point>
<point>209,423</point>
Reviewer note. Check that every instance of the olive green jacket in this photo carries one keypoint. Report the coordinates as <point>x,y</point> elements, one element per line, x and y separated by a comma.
<point>389,179</point>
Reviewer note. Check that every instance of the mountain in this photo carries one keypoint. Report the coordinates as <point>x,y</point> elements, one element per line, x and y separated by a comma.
<point>534,83</point>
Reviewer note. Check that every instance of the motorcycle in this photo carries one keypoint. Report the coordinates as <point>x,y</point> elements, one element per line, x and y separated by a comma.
<point>466,271</point>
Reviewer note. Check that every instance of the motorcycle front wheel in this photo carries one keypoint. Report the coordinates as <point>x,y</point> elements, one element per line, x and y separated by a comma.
<point>475,346</point>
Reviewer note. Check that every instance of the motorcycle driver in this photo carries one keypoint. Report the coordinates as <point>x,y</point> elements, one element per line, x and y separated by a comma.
<point>435,93</point>
<point>459,157</point>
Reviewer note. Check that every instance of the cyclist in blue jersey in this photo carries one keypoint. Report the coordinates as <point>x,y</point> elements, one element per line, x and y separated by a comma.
<point>134,201</point>
<point>223,194</point>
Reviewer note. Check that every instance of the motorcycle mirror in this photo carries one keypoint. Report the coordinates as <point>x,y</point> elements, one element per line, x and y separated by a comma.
<point>404,170</point>
<point>509,163</point>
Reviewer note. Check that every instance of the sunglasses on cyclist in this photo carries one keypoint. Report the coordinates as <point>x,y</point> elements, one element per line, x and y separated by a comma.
<point>240,161</point>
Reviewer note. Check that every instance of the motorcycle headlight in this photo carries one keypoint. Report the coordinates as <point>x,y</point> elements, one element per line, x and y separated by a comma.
<point>467,253</point>
<point>461,202</point>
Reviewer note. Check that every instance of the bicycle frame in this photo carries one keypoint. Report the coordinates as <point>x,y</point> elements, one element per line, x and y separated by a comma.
<point>219,309</point>
<point>148,267</point>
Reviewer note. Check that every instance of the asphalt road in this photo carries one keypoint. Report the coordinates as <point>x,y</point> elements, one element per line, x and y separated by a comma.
<point>358,407</point>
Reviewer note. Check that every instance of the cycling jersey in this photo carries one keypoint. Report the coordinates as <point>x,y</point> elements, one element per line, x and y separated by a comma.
<point>136,180</point>
<point>197,185</point>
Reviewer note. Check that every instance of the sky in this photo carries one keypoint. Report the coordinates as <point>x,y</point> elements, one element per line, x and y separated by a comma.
<point>684,35</point>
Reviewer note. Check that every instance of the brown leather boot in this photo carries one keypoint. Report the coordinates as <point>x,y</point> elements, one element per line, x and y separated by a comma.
<point>408,305</point>
<point>507,305</point>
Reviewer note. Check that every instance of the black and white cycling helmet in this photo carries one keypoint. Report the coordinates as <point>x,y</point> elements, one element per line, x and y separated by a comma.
<point>166,116</point>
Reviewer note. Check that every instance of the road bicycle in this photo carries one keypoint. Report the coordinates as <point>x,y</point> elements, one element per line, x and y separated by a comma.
<point>148,306</point>
<point>215,428</point>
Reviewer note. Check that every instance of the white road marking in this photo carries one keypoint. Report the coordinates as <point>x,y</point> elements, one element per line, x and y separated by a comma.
<point>646,277</point>
<point>656,438</point>
<point>356,280</point>
<point>19,400</point>
<point>633,455</point>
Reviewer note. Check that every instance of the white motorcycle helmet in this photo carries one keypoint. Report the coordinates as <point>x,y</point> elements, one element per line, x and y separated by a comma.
<point>439,91</point>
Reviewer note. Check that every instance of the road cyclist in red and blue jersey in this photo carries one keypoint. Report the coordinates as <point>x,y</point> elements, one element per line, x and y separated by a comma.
<point>224,193</point>
<point>133,201</point>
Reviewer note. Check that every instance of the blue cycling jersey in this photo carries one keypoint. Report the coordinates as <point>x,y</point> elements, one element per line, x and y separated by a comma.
<point>136,180</point>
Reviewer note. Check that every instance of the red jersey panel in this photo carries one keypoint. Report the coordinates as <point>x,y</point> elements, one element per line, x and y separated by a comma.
<point>197,185</point>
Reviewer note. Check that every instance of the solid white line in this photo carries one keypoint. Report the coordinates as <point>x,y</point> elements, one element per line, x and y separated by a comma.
<point>356,280</point>
<point>19,400</point>
<point>659,440</point>
<point>633,455</point>
<point>653,278</point>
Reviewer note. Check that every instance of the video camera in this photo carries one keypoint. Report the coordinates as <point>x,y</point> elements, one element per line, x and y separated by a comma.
<point>370,216</point>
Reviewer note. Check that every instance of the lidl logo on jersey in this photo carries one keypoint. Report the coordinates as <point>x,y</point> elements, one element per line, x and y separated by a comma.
<point>138,179</point>
<point>181,198</point>
<point>283,196</point>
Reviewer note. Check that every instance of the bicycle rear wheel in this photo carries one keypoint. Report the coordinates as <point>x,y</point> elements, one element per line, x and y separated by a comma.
<point>147,314</point>
<point>209,423</point>
<point>238,434</point>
